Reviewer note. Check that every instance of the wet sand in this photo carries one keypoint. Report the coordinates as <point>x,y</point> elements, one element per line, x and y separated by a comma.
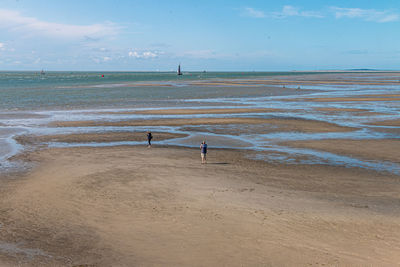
<point>381,150</point>
<point>340,109</point>
<point>95,137</point>
<point>395,123</point>
<point>372,98</point>
<point>319,79</point>
<point>290,124</point>
<point>201,111</point>
<point>127,206</point>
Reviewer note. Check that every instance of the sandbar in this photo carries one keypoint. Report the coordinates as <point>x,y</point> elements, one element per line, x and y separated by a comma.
<point>95,137</point>
<point>201,111</point>
<point>299,125</point>
<point>375,149</point>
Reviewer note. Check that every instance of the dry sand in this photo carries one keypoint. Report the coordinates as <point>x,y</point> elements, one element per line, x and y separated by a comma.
<point>133,206</point>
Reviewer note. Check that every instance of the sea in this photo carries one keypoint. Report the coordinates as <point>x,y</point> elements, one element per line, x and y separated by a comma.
<point>30,101</point>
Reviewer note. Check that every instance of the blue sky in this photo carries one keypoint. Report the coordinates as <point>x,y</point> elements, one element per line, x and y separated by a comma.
<point>201,35</point>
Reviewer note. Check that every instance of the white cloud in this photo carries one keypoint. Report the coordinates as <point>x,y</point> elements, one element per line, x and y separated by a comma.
<point>14,21</point>
<point>311,14</point>
<point>291,11</point>
<point>143,55</point>
<point>149,54</point>
<point>365,14</point>
<point>339,12</point>
<point>133,54</point>
<point>287,11</point>
<point>251,12</point>
<point>6,47</point>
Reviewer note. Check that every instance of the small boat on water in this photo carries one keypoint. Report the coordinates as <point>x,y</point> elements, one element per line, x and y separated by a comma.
<point>42,72</point>
<point>179,72</point>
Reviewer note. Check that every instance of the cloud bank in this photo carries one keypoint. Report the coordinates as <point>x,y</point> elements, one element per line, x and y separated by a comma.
<point>291,11</point>
<point>287,11</point>
<point>338,12</point>
<point>365,14</point>
<point>14,21</point>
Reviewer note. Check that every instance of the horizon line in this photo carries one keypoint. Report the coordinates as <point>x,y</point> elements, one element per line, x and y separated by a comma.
<point>211,71</point>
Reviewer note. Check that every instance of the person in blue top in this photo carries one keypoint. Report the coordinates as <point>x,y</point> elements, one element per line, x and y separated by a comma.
<point>203,148</point>
<point>149,137</point>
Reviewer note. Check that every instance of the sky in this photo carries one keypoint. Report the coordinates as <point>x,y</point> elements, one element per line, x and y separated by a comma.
<point>130,35</point>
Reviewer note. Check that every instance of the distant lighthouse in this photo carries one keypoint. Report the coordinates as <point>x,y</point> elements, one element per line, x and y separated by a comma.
<point>179,70</point>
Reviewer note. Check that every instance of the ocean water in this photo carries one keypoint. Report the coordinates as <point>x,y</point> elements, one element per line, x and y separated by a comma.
<point>29,101</point>
<point>66,90</point>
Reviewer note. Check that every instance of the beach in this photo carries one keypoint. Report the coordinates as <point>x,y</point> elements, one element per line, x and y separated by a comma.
<point>160,207</point>
<point>302,170</point>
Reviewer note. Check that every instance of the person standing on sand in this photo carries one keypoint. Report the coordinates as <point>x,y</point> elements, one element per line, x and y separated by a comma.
<point>203,148</point>
<point>149,137</point>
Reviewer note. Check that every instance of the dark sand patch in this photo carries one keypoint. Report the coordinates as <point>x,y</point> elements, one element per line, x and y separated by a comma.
<point>354,99</point>
<point>382,149</point>
<point>395,131</point>
<point>361,98</point>
<point>236,129</point>
<point>340,109</point>
<point>21,115</point>
<point>354,111</point>
<point>225,83</point>
<point>301,80</point>
<point>299,125</point>
<point>395,123</point>
<point>201,111</point>
<point>366,114</point>
<point>148,84</point>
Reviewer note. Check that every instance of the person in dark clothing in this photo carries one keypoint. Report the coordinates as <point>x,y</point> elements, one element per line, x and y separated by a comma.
<point>203,148</point>
<point>149,137</point>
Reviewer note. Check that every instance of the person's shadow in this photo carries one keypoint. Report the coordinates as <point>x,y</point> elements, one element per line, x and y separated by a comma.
<point>218,163</point>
